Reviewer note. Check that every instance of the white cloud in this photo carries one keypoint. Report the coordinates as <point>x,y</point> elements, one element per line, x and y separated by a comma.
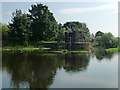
<point>112,7</point>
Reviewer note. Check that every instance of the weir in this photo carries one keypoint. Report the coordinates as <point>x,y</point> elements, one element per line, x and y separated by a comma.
<point>74,41</point>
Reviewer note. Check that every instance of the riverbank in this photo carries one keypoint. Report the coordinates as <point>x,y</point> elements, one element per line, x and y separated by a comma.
<point>39,49</point>
<point>113,49</point>
<point>23,49</point>
<point>48,50</point>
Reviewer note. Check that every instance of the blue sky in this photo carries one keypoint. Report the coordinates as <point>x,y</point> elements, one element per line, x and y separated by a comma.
<point>101,16</point>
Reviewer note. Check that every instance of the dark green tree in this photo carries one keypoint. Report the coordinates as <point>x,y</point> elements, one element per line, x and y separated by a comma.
<point>19,28</point>
<point>61,33</point>
<point>43,24</point>
<point>79,27</point>
<point>99,33</point>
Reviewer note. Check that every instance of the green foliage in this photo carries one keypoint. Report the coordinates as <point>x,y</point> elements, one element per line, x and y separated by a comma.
<point>118,42</point>
<point>40,26</point>
<point>19,28</point>
<point>105,40</point>
<point>99,33</point>
<point>43,23</point>
<point>5,29</point>
<point>61,34</point>
<point>79,27</point>
<point>92,37</point>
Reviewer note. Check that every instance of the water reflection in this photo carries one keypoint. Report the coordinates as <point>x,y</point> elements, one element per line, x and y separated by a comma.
<point>38,70</point>
<point>34,70</point>
<point>101,54</point>
<point>76,62</point>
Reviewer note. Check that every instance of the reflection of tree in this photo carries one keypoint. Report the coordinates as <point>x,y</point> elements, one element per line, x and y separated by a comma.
<point>76,62</point>
<point>37,71</point>
<point>101,54</point>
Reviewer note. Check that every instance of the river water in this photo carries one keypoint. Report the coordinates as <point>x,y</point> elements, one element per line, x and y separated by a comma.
<point>35,70</point>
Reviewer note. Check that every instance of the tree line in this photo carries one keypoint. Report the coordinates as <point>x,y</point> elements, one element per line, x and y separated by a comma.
<point>40,25</point>
<point>105,40</point>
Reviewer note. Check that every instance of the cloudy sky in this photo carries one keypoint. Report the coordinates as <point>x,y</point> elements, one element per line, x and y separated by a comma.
<point>101,15</point>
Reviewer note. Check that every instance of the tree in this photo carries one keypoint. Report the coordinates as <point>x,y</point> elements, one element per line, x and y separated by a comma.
<point>43,24</point>
<point>118,42</point>
<point>61,33</point>
<point>19,28</point>
<point>106,40</point>
<point>99,33</point>
<point>79,27</point>
<point>92,38</point>
<point>5,38</point>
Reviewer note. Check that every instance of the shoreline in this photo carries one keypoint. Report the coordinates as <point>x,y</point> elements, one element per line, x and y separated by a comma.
<point>113,49</point>
<point>40,50</point>
<point>21,49</point>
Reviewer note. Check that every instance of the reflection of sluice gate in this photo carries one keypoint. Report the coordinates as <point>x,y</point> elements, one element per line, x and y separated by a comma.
<point>76,62</point>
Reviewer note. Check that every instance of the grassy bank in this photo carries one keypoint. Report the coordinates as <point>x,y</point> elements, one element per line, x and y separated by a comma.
<point>113,49</point>
<point>66,51</point>
<point>24,49</point>
<point>43,49</point>
<point>39,49</point>
<point>79,51</point>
